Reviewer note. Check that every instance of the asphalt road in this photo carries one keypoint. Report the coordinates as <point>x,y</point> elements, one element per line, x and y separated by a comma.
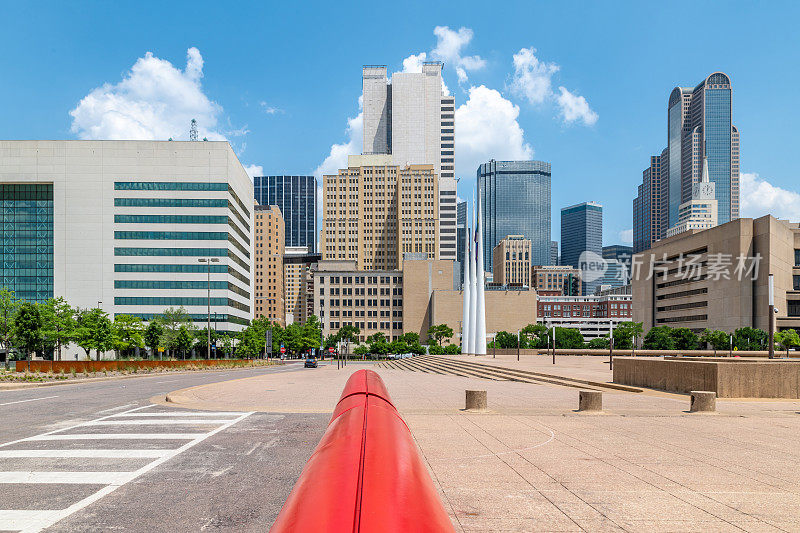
<point>98,456</point>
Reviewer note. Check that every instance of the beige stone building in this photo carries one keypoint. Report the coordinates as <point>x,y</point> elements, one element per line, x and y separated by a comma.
<point>554,280</point>
<point>371,300</point>
<point>298,283</point>
<point>693,280</point>
<point>269,247</point>
<point>512,261</point>
<point>374,212</point>
<point>429,299</point>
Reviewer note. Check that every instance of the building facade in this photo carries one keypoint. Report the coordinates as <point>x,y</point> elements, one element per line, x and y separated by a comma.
<point>413,121</point>
<point>651,204</point>
<point>701,210</point>
<point>375,212</point>
<point>515,198</point>
<point>461,233</point>
<point>298,286</point>
<point>553,253</point>
<point>553,280</point>
<point>123,224</point>
<point>296,197</point>
<point>371,301</point>
<point>582,233</point>
<point>512,261</point>
<point>718,278</point>
<point>269,249</point>
<point>593,316</point>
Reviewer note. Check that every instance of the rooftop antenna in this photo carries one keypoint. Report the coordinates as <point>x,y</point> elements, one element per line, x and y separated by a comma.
<point>193,131</point>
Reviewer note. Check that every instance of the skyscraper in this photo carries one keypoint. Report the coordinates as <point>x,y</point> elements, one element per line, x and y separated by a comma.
<point>411,119</point>
<point>296,197</point>
<point>269,249</point>
<point>553,252</point>
<point>651,204</point>
<point>516,201</point>
<point>375,212</point>
<point>700,125</point>
<point>461,225</point>
<point>582,231</point>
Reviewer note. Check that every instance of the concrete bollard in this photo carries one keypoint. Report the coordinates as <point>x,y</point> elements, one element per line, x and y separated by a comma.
<point>590,400</point>
<point>476,400</point>
<point>703,401</point>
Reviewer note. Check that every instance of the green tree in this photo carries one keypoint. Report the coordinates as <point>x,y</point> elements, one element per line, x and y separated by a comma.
<point>685,339</point>
<point>378,344</point>
<point>718,340</point>
<point>787,339</point>
<point>201,340</point>
<point>9,304</point>
<point>505,340</point>
<point>311,334</point>
<point>183,340</point>
<point>398,346</point>
<point>251,342</point>
<point>172,319</point>
<point>750,339</point>
<point>226,342</point>
<point>624,334</point>
<point>435,349</point>
<point>534,336</point>
<point>599,343</point>
<point>94,331</point>
<point>59,323</point>
<point>659,338</point>
<point>452,349</point>
<point>28,328</point>
<point>128,334</point>
<point>361,349</point>
<point>153,335</point>
<point>568,338</point>
<point>292,337</point>
<point>350,333</point>
<point>439,332</point>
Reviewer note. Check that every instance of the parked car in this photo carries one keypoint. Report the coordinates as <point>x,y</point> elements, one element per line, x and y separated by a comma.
<point>310,363</point>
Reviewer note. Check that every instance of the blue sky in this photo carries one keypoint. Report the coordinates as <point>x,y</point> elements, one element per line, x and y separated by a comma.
<point>280,81</point>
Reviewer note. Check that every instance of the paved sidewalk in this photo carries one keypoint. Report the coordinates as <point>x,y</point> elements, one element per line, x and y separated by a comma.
<point>533,464</point>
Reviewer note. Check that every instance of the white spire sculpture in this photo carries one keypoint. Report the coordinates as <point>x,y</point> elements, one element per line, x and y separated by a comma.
<point>480,322</point>
<point>466,327</point>
<point>473,287</point>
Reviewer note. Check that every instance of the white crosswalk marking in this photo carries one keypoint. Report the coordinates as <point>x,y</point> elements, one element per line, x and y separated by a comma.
<point>25,460</point>
<point>113,454</point>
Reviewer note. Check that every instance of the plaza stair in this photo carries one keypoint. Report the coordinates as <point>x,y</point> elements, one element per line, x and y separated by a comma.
<point>457,367</point>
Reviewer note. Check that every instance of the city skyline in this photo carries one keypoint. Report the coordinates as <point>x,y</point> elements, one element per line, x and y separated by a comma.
<point>293,128</point>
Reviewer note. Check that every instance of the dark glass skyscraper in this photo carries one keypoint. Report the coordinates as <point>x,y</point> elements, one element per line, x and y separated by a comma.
<point>515,197</point>
<point>581,231</point>
<point>296,196</point>
<point>461,230</point>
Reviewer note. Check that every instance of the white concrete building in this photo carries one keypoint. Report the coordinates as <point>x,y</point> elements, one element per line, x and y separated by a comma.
<point>123,225</point>
<point>414,121</point>
<point>702,210</point>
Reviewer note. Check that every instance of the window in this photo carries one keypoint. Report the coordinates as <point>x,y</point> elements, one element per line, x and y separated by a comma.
<point>170,219</point>
<point>796,286</point>
<point>794,308</point>
<point>170,202</point>
<point>797,258</point>
<point>172,235</point>
<point>175,301</point>
<point>169,186</point>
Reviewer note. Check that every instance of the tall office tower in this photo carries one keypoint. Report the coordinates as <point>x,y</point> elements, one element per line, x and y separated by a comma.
<point>621,253</point>
<point>699,122</point>
<point>297,283</point>
<point>269,249</point>
<point>124,223</point>
<point>296,197</point>
<point>699,212</point>
<point>648,226</point>
<point>413,121</point>
<point>512,261</point>
<point>515,196</point>
<point>553,253</point>
<point>461,225</point>
<point>375,212</point>
<point>582,231</point>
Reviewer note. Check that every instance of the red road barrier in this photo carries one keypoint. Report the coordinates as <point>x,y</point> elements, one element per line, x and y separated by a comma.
<point>366,474</point>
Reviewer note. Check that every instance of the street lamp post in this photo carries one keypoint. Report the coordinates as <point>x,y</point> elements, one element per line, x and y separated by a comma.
<point>771,316</point>
<point>208,261</point>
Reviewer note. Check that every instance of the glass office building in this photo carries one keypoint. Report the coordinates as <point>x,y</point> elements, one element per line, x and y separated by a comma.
<point>27,240</point>
<point>515,197</point>
<point>296,197</point>
<point>582,231</point>
<point>461,230</point>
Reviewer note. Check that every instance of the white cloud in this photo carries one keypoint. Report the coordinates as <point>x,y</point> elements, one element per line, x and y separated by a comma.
<point>155,100</point>
<point>759,197</point>
<point>413,63</point>
<point>269,109</point>
<point>574,107</point>
<point>533,81</point>
<point>338,155</point>
<point>254,170</point>
<point>626,236</point>
<point>532,78</point>
<point>448,49</point>
<point>487,128</point>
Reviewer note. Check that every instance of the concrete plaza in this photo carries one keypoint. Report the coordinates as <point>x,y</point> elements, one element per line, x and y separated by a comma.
<point>531,463</point>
